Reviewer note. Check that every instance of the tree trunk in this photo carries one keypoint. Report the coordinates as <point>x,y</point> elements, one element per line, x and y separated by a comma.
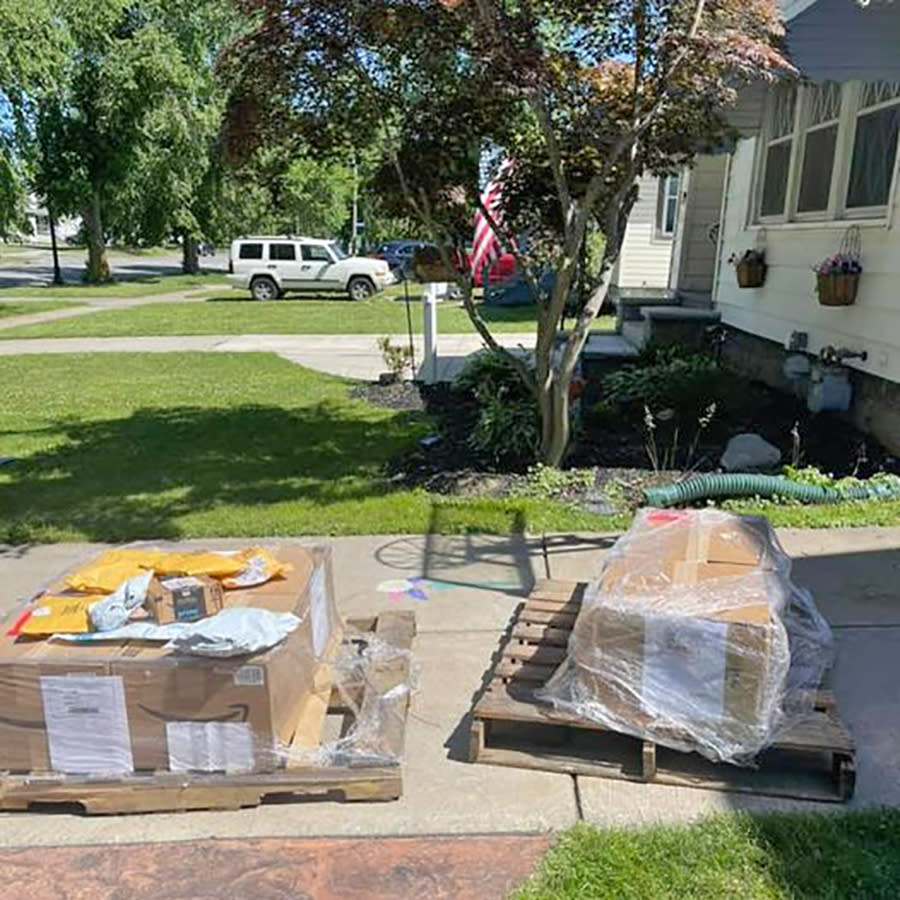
<point>98,263</point>
<point>190,257</point>
<point>555,425</point>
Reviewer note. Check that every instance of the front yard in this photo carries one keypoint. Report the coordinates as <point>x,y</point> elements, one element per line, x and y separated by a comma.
<point>232,315</point>
<point>118,447</point>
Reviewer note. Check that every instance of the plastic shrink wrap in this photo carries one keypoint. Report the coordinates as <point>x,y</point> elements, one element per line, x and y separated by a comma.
<point>694,636</point>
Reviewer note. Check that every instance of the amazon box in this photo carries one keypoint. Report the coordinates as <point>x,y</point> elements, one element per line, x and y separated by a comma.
<point>183,598</point>
<point>117,707</point>
<point>681,639</point>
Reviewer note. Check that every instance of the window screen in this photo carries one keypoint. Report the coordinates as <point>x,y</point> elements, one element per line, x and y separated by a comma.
<point>874,158</point>
<point>250,251</point>
<point>282,251</point>
<point>315,253</point>
<point>667,208</point>
<point>818,164</point>
<point>778,160</point>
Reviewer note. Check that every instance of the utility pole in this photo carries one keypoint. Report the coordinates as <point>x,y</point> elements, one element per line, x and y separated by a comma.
<point>57,273</point>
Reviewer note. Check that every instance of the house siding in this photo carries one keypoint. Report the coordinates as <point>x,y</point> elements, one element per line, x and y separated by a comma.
<point>841,40</point>
<point>646,258</point>
<point>787,302</point>
<point>701,210</point>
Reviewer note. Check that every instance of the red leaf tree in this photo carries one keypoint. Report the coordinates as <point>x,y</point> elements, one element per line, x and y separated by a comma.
<point>581,96</point>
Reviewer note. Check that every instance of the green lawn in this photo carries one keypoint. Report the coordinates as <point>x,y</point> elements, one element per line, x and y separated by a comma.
<point>13,308</point>
<point>375,317</point>
<point>145,286</point>
<point>852,856</point>
<point>119,447</point>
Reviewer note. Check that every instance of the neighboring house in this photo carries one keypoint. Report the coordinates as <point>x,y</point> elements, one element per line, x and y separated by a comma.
<point>646,256</point>
<point>816,156</point>
<point>39,224</point>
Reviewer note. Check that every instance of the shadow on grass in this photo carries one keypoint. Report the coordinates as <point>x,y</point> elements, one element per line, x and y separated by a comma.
<point>131,478</point>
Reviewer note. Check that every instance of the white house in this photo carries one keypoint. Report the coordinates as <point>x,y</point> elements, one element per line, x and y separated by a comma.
<point>818,156</point>
<point>646,257</point>
<point>39,224</point>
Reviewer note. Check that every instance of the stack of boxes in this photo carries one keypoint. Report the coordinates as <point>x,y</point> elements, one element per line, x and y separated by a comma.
<point>118,707</point>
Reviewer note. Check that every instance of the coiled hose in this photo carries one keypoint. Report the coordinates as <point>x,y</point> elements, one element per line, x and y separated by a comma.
<point>703,487</point>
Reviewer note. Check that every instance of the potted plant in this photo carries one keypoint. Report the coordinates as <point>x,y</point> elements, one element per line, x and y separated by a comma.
<point>837,279</point>
<point>750,267</point>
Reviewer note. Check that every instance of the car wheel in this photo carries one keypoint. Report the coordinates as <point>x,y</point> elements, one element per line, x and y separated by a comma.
<point>263,288</point>
<point>360,288</point>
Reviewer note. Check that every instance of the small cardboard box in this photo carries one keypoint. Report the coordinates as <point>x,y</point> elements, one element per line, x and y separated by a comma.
<point>122,706</point>
<point>183,598</point>
<point>682,636</point>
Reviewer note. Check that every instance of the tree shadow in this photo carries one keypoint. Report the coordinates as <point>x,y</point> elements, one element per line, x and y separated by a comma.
<point>134,477</point>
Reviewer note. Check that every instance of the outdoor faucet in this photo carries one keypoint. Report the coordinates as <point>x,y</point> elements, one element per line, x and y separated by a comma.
<point>834,357</point>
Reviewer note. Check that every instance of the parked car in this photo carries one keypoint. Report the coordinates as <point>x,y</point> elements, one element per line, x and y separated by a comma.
<point>399,256</point>
<point>501,269</point>
<point>269,267</point>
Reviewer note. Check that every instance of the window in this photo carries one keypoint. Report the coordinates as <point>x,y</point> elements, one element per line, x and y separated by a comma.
<point>822,106</point>
<point>667,206</point>
<point>315,253</point>
<point>250,251</point>
<point>829,152</point>
<point>874,146</point>
<point>283,252</point>
<point>780,139</point>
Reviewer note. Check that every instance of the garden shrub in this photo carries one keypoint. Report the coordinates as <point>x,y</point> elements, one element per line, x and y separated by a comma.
<point>505,430</point>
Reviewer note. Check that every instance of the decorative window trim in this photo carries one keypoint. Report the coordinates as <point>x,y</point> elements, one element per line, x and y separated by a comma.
<point>851,109</point>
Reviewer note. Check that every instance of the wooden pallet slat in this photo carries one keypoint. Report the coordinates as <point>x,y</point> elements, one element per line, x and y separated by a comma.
<point>178,792</point>
<point>511,727</point>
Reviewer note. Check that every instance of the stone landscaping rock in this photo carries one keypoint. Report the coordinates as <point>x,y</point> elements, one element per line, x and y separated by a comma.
<point>750,453</point>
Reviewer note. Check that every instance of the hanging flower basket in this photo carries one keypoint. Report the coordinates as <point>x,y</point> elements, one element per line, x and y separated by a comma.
<point>751,273</point>
<point>750,268</point>
<point>837,277</point>
<point>837,288</point>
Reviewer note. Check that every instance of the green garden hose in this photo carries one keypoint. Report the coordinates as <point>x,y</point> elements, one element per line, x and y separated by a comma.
<point>703,487</point>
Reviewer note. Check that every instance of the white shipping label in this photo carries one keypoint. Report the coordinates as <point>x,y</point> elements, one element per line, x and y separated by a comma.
<point>684,668</point>
<point>318,611</point>
<point>209,746</point>
<point>250,676</point>
<point>87,724</point>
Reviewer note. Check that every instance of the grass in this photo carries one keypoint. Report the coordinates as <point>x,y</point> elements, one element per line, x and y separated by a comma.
<point>126,446</point>
<point>374,317</point>
<point>145,286</point>
<point>851,856</point>
<point>849,514</point>
<point>13,308</point>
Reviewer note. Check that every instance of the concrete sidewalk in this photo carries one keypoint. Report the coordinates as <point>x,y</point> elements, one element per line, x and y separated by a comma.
<point>476,584</point>
<point>347,355</point>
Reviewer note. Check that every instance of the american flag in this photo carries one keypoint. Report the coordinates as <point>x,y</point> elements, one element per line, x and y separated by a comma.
<point>486,247</point>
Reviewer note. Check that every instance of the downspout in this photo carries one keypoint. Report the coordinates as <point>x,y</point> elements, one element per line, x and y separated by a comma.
<point>720,240</point>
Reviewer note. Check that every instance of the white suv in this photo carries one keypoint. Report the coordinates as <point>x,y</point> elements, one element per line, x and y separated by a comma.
<point>270,266</point>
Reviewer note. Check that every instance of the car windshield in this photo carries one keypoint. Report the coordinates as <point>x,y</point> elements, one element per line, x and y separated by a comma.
<point>338,251</point>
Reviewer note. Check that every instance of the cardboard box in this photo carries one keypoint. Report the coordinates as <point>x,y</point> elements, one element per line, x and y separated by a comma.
<point>183,598</point>
<point>681,639</point>
<point>116,707</point>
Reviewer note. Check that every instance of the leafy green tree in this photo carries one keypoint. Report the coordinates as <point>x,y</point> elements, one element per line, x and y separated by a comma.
<point>581,96</point>
<point>95,125</point>
<point>31,49</point>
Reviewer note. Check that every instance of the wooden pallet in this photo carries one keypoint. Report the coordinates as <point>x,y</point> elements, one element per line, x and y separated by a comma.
<point>813,760</point>
<point>171,792</point>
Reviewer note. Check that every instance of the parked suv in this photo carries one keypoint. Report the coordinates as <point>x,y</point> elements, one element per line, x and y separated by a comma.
<point>269,267</point>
